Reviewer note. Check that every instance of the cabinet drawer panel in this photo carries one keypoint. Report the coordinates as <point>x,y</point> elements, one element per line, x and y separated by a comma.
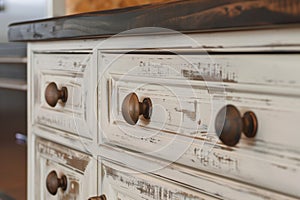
<point>192,111</point>
<point>125,184</point>
<point>53,162</point>
<point>70,71</point>
<point>270,71</point>
<point>207,183</point>
<point>182,125</point>
<point>189,106</point>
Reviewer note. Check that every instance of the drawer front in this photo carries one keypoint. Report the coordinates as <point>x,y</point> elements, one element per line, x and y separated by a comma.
<point>206,183</point>
<point>125,184</point>
<point>184,111</point>
<point>62,173</point>
<point>63,93</point>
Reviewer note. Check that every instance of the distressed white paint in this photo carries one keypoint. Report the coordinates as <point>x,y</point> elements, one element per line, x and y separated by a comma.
<point>73,71</point>
<point>182,123</point>
<point>261,40</point>
<point>119,182</point>
<point>78,167</point>
<point>207,183</point>
<point>264,83</point>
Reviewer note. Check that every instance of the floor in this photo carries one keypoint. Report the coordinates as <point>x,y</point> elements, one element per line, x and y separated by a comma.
<point>12,155</point>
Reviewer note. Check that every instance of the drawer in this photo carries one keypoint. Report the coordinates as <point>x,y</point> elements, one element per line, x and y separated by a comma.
<point>63,173</point>
<point>125,184</point>
<point>182,126</point>
<point>187,104</point>
<point>133,166</point>
<point>63,86</point>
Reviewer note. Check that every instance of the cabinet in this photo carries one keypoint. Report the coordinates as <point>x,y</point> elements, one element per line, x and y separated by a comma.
<point>140,117</point>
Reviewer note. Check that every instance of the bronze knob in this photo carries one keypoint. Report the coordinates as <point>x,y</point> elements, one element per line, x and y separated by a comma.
<point>102,197</point>
<point>132,108</point>
<point>53,182</point>
<point>53,94</point>
<point>229,125</point>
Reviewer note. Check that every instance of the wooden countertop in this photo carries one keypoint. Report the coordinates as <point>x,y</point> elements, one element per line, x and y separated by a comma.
<point>185,16</point>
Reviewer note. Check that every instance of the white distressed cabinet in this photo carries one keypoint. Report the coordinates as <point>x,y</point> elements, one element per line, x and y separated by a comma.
<point>135,117</point>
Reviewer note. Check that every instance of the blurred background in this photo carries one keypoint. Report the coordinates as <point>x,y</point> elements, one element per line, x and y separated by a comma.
<point>79,6</point>
<point>13,86</point>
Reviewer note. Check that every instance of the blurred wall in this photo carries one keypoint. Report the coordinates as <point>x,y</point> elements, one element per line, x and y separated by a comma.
<point>19,10</point>
<point>79,6</point>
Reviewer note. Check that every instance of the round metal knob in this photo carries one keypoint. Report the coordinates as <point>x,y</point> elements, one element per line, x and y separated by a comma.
<point>132,108</point>
<point>53,94</point>
<point>53,182</point>
<point>229,125</point>
<point>102,197</point>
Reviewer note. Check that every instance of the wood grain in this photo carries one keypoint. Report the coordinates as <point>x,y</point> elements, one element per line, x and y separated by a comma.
<point>183,16</point>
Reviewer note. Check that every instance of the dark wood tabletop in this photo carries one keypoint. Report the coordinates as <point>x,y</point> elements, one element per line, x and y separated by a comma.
<point>185,16</point>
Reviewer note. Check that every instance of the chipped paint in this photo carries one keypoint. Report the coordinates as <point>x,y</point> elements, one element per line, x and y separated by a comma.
<point>64,155</point>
